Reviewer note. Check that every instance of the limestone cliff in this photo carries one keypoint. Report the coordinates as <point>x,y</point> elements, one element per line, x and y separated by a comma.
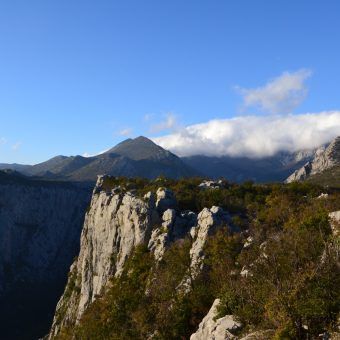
<point>116,222</point>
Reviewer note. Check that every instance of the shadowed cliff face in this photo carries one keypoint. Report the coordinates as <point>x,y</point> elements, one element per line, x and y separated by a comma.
<point>40,225</point>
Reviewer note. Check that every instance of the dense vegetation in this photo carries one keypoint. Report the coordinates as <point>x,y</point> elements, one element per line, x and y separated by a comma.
<point>281,272</point>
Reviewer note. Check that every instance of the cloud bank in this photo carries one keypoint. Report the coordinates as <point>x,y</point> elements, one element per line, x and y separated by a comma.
<point>254,136</point>
<point>280,95</point>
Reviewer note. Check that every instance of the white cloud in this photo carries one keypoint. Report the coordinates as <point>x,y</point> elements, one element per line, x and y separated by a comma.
<point>3,140</point>
<point>125,132</point>
<point>254,136</point>
<point>280,95</point>
<point>16,146</point>
<point>169,123</point>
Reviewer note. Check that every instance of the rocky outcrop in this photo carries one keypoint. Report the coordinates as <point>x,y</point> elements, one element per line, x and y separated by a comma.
<point>115,224</point>
<point>40,225</point>
<point>325,158</point>
<point>165,200</point>
<point>208,221</point>
<point>225,328</point>
<point>300,174</point>
<point>216,329</point>
<point>211,185</point>
<point>175,226</point>
<point>335,222</point>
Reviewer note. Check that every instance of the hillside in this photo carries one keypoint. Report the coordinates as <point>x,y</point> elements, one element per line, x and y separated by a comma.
<point>328,178</point>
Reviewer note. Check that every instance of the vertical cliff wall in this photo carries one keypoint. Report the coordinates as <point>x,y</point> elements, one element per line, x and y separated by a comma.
<point>40,225</point>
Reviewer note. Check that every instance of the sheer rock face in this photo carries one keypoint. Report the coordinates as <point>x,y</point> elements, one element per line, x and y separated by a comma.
<point>39,231</point>
<point>124,222</point>
<point>219,329</point>
<point>115,224</point>
<point>40,226</point>
<point>209,220</point>
<point>325,158</point>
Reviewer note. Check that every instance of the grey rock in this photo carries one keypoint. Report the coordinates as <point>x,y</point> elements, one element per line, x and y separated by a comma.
<point>114,225</point>
<point>211,185</point>
<point>324,158</point>
<point>174,227</point>
<point>160,237</point>
<point>209,220</point>
<point>219,329</point>
<point>165,200</point>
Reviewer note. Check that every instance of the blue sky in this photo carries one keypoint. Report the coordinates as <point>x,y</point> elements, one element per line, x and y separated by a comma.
<point>79,76</point>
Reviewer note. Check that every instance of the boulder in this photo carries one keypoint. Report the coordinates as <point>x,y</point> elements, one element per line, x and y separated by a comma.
<point>216,329</point>
<point>165,200</point>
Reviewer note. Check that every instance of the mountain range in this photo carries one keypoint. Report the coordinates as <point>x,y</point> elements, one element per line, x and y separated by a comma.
<point>130,158</point>
<point>141,157</point>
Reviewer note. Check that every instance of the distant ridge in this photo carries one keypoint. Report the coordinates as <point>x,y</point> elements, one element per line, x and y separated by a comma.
<point>139,157</point>
<point>275,168</point>
<point>326,159</point>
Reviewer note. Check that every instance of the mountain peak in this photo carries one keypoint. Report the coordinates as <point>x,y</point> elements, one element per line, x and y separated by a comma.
<point>138,148</point>
<point>143,139</point>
